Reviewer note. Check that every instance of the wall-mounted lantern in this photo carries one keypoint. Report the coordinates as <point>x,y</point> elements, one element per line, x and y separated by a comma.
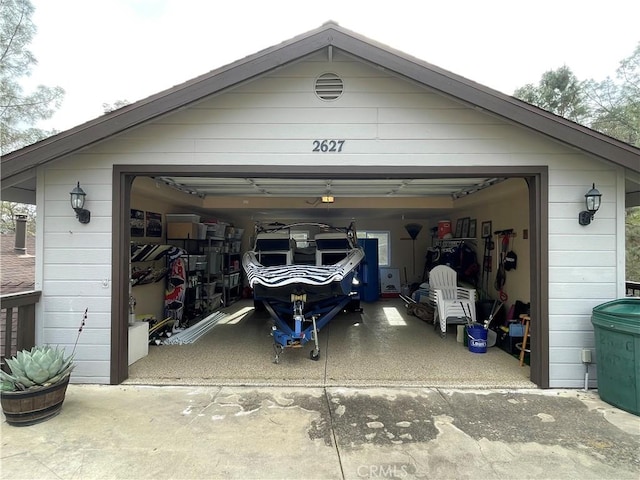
<point>592,199</point>
<point>77,203</point>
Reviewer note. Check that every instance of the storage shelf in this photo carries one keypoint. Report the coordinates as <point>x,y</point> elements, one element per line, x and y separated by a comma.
<point>199,299</point>
<point>220,264</point>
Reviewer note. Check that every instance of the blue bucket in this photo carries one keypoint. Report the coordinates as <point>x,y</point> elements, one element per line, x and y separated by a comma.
<point>477,338</point>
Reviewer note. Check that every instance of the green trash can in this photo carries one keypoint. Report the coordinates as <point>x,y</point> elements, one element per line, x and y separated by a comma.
<point>617,333</point>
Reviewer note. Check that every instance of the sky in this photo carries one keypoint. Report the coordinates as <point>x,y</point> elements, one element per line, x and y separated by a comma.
<point>102,51</point>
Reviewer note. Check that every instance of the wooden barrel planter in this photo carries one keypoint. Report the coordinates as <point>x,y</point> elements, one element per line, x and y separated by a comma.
<point>28,407</point>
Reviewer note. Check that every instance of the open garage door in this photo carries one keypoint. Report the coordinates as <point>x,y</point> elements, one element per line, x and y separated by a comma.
<point>378,200</point>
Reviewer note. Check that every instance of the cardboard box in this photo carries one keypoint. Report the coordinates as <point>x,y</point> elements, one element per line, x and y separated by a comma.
<point>183,230</point>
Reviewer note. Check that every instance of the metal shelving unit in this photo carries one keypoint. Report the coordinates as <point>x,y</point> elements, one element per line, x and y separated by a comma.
<point>199,296</point>
<point>231,275</point>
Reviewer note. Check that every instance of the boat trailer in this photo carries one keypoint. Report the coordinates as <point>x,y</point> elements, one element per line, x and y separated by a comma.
<point>290,329</point>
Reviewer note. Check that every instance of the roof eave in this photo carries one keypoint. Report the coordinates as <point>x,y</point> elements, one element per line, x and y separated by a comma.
<point>497,103</point>
<point>460,88</point>
<point>162,103</point>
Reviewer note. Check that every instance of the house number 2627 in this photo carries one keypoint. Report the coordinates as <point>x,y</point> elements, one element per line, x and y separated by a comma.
<point>327,146</point>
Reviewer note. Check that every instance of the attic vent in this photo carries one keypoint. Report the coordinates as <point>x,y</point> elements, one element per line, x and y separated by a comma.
<point>329,86</point>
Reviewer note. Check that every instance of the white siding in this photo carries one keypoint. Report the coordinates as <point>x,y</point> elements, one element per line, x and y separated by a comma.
<point>273,120</point>
<point>583,263</point>
<point>74,266</point>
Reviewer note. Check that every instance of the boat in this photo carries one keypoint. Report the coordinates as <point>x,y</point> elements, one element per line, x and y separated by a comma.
<point>300,284</point>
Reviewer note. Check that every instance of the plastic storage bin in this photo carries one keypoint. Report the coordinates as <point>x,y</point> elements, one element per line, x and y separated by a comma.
<point>182,218</point>
<point>617,333</point>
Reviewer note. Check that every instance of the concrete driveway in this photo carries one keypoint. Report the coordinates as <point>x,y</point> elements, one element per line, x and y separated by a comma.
<point>170,432</point>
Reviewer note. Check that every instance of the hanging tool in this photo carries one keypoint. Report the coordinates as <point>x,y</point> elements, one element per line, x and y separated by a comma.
<point>501,275</point>
<point>486,263</point>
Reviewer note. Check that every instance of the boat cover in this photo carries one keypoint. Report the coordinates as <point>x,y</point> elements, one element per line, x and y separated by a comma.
<point>281,275</point>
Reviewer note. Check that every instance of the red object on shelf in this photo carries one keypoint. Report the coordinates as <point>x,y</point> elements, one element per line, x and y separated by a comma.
<point>444,227</point>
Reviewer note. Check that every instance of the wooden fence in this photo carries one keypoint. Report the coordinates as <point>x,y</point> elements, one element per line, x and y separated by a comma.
<point>17,322</point>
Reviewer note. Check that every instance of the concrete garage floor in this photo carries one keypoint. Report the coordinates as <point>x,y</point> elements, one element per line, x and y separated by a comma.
<point>382,346</point>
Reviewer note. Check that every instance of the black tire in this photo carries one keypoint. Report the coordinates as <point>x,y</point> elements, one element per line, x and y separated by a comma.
<point>353,306</point>
<point>314,356</point>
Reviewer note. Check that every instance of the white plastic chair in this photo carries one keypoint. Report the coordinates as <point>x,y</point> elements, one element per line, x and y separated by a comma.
<point>452,304</point>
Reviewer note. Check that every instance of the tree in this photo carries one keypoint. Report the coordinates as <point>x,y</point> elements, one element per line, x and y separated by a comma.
<point>611,107</point>
<point>616,112</point>
<point>559,92</point>
<point>8,212</point>
<point>632,224</point>
<point>616,104</point>
<point>19,111</point>
<point>108,107</point>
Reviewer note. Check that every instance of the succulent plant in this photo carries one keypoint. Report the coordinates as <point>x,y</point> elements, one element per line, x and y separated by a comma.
<point>42,365</point>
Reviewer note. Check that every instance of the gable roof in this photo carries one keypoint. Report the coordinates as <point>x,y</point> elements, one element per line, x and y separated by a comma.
<point>18,167</point>
<point>18,270</point>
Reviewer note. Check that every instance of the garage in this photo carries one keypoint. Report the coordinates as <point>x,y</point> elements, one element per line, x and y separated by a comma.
<point>394,141</point>
<point>407,350</point>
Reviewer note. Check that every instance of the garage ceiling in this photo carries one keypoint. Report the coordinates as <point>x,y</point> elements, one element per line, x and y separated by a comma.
<point>313,187</point>
<point>302,198</point>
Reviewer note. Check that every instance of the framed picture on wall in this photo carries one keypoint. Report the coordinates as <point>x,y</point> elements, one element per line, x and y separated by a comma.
<point>154,224</point>
<point>465,227</point>
<point>137,223</point>
<point>472,228</point>
<point>458,233</point>
<point>486,229</point>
